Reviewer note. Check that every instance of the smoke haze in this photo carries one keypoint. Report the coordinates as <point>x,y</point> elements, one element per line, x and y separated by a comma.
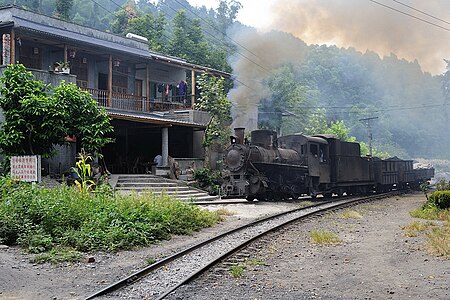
<point>263,52</point>
<point>366,25</point>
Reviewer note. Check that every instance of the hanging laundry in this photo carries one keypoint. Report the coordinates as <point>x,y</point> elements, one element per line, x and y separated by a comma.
<point>182,88</point>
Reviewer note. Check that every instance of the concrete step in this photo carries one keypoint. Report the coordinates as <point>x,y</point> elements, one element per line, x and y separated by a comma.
<point>155,189</point>
<point>148,184</point>
<point>143,180</point>
<point>191,193</point>
<point>130,183</point>
<point>203,198</point>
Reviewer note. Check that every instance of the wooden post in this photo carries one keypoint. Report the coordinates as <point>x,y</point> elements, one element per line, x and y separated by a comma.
<point>193,88</point>
<point>13,47</point>
<point>110,79</point>
<point>65,54</point>
<point>147,86</point>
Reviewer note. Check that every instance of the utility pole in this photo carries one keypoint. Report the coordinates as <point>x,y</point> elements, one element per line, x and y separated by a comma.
<point>369,129</point>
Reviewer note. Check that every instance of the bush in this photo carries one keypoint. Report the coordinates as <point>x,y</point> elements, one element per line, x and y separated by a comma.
<point>442,185</point>
<point>44,219</point>
<point>209,180</point>
<point>441,199</point>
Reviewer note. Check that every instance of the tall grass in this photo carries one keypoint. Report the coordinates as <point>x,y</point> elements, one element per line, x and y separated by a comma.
<point>43,219</point>
<point>350,214</point>
<point>323,237</point>
<point>439,240</point>
<point>414,228</point>
<point>438,236</point>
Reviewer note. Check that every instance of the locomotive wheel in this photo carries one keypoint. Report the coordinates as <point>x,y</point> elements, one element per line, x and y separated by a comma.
<point>327,195</point>
<point>250,198</point>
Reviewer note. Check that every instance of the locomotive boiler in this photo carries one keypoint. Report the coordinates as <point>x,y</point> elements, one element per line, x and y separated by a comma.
<point>295,165</point>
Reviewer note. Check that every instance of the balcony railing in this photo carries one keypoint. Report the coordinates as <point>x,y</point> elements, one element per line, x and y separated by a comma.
<point>139,103</point>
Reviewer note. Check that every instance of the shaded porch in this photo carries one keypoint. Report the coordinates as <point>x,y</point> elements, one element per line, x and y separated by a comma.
<point>138,143</point>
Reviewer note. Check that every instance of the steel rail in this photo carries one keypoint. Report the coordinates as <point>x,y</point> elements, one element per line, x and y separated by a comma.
<point>157,265</point>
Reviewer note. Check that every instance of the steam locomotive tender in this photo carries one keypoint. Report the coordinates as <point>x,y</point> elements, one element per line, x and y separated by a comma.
<point>271,168</point>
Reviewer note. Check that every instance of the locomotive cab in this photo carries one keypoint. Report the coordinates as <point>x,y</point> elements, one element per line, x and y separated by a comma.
<point>314,152</point>
<point>318,159</point>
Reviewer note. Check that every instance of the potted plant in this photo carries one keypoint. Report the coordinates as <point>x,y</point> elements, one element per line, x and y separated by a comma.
<point>61,67</point>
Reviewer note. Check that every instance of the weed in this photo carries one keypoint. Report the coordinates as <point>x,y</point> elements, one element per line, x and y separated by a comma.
<point>439,241</point>
<point>255,262</point>
<point>58,255</point>
<point>150,260</point>
<point>306,203</point>
<point>414,228</point>
<point>272,248</point>
<point>209,180</point>
<point>323,237</point>
<point>237,270</point>
<point>44,219</point>
<point>430,212</point>
<point>350,214</point>
<point>224,212</point>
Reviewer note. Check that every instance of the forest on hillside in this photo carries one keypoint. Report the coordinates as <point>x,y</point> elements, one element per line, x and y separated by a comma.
<point>307,88</point>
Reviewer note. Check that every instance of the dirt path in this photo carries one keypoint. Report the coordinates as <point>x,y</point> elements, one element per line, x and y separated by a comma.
<point>376,261</point>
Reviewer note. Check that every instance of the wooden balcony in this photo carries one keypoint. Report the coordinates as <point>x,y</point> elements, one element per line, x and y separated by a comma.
<point>128,102</point>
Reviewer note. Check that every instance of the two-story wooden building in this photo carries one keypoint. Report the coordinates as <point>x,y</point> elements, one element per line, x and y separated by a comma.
<point>145,93</point>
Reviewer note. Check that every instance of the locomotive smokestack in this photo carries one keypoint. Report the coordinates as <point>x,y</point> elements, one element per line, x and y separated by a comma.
<point>239,133</point>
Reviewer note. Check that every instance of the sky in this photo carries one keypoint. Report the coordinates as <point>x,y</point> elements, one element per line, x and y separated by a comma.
<point>255,13</point>
<point>410,29</point>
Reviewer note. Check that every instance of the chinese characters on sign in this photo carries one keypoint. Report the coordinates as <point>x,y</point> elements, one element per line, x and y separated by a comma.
<point>26,168</point>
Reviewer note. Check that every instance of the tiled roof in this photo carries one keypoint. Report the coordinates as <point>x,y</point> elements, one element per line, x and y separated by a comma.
<point>46,25</point>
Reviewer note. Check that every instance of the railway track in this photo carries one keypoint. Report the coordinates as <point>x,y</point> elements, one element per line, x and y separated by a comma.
<point>163,277</point>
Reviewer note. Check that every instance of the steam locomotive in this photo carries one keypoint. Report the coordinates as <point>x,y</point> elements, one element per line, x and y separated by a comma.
<point>271,168</point>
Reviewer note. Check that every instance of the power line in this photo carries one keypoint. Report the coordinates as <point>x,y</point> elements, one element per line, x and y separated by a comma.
<point>116,3</point>
<point>224,34</point>
<point>220,41</point>
<point>102,7</point>
<point>407,14</point>
<point>370,110</point>
<point>422,12</point>
<point>235,79</point>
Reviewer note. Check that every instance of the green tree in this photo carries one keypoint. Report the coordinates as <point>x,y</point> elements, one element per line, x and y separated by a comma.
<point>188,41</point>
<point>317,123</point>
<point>286,110</point>
<point>152,27</point>
<point>226,14</point>
<point>342,132</point>
<point>84,118</point>
<point>123,17</point>
<point>36,119</point>
<point>213,99</point>
<point>62,8</point>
